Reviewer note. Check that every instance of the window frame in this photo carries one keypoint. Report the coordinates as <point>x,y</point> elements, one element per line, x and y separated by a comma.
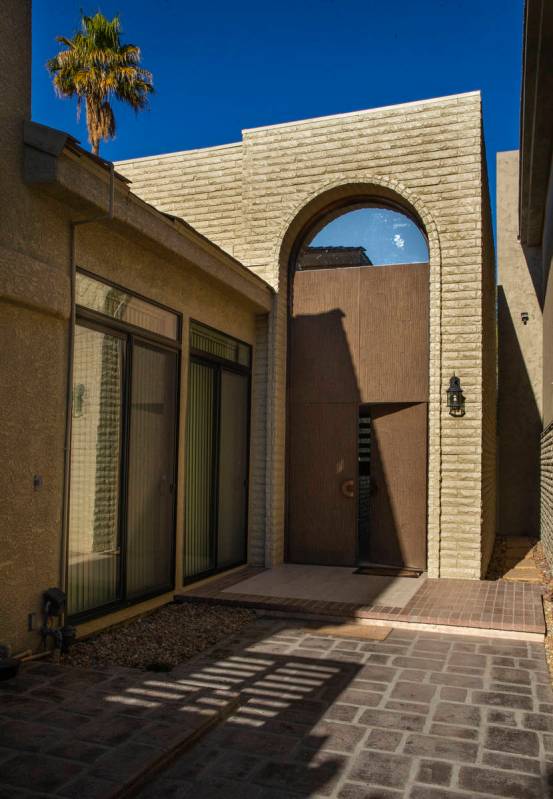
<point>218,364</point>
<point>130,333</point>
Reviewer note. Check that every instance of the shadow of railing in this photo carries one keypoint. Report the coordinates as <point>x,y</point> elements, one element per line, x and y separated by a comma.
<point>277,718</point>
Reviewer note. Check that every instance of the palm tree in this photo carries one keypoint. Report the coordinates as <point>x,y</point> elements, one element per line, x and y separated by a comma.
<point>96,68</point>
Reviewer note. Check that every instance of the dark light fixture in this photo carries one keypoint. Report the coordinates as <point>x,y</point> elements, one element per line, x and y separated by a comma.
<point>455,397</point>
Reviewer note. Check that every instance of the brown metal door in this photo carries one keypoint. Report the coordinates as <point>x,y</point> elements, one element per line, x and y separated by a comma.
<point>393,334</point>
<point>397,508</point>
<point>322,483</point>
<point>357,336</point>
<point>324,400</point>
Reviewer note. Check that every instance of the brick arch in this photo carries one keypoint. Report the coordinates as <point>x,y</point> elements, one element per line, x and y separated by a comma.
<point>371,186</point>
<point>295,222</point>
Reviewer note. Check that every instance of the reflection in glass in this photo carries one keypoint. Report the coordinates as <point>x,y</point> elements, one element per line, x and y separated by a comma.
<point>118,304</point>
<point>364,236</point>
<point>205,339</point>
<point>198,548</point>
<point>151,470</point>
<point>95,446</point>
<point>233,469</point>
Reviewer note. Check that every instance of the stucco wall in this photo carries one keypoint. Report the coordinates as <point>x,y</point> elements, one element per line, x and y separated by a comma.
<point>519,362</point>
<point>34,322</point>
<point>34,253</point>
<point>428,153</point>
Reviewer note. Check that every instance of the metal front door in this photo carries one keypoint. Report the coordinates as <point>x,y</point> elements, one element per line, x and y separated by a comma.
<point>322,483</point>
<point>397,503</point>
<point>323,402</point>
<point>358,336</point>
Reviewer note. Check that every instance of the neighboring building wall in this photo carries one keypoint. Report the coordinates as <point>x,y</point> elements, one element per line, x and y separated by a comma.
<point>546,492</point>
<point>546,507</point>
<point>429,153</point>
<point>519,363</point>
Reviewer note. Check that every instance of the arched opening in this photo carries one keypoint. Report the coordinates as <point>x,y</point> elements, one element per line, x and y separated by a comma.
<point>363,234</point>
<point>358,388</point>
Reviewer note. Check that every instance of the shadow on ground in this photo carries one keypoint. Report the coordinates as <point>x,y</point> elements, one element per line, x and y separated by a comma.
<point>298,714</point>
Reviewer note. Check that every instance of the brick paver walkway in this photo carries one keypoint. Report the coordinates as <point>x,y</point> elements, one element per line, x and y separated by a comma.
<point>482,604</point>
<point>418,715</point>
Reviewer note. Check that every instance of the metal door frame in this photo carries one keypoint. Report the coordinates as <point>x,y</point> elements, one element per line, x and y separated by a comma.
<point>129,334</point>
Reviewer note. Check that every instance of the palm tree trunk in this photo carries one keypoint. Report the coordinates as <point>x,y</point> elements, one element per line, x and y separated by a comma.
<point>92,124</point>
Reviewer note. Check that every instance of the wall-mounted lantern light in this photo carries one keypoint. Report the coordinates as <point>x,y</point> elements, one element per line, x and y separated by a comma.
<point>524,317</point>
<point>455,397</point>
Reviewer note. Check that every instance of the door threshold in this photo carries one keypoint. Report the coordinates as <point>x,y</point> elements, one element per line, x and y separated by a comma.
<point>382,570</point>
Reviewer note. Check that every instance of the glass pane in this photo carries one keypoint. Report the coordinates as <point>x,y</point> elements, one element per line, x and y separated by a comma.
<point>233,466</point>
<point>150,514</point>
<point>121,305</point>
<point>199,470</point>
<point>365,236</point>
<point>211,341</point>
<point>93,567</point>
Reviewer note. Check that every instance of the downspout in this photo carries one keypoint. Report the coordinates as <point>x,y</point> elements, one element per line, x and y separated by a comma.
<point>69,376</point>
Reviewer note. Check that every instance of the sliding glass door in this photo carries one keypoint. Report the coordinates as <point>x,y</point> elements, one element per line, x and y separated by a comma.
<point>217,453</point>
<point>97,432</point>
<point>200,461</point>
<point>233,469</point>
<point>123,449</point>
<point>151,488</point>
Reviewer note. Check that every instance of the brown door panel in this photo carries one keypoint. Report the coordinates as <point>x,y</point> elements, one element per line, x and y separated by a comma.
<point>322,512</point>
<point>324,336</point>
<point>394,334</point>
<point>397,529</point>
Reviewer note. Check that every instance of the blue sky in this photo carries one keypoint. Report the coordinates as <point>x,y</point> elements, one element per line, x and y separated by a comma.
<point>220,67</point>
<point>389,237</point>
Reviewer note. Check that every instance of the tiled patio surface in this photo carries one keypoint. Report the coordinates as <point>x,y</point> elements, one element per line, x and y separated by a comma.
<point>339,582</point>
<point>484,604</point>
<point>416,716</point>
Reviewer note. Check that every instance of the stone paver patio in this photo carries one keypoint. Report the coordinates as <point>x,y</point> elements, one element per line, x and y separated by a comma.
<point>293,713</point>
<point>418,715</point>
<point>93,734</point>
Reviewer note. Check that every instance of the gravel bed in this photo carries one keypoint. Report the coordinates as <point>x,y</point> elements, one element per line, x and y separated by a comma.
<point>160,640</point>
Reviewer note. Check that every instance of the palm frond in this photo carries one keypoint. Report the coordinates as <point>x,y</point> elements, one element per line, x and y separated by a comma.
<point>95,67</point>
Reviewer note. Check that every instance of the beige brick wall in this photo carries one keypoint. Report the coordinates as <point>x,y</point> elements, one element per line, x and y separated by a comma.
<point>204,187</point>
<point>489,371</point>
<point>254,198</point>
<point>258,446</point>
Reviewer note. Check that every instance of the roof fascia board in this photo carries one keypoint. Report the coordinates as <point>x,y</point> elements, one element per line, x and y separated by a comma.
<point>536,144</point>
<point>83,184</point>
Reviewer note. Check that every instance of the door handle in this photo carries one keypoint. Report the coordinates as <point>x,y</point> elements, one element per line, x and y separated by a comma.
<point>348,488</point>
